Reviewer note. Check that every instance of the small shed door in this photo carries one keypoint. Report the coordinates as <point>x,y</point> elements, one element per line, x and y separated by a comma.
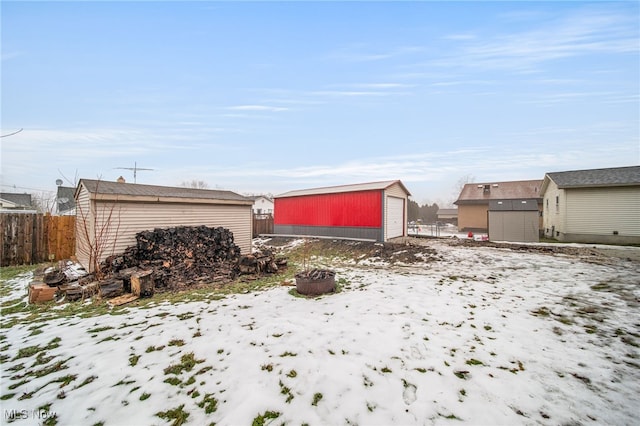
<point>394,220</point>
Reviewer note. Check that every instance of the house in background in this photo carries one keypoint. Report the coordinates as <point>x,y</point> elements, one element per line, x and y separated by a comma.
<point>121,210</point>
<point>15,201</point>
<point>65,201</point>
<point>262,204</point>
<point>373,211</point>
<point>448,216</point>
<point>593,206</point>
<point>474,199</point>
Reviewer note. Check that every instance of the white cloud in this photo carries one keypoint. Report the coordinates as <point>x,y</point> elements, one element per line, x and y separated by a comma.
<point>263,108</point>
<point>588,32</point>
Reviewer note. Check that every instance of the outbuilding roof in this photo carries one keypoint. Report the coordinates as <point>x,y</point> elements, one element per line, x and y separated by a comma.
<point>370,186</point>
<point>20,200</point>
<point>482,193</point>
<point>617,176</point>
<point>108,189</point>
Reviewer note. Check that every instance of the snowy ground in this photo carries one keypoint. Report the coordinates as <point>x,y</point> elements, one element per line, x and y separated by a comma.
<point>473,335</point>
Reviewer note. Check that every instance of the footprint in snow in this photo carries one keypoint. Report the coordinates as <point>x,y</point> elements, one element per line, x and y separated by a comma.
<point>409,393</point>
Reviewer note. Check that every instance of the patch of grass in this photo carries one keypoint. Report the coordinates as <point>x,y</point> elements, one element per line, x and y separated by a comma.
<point>153,348</point>
<point>204,370</point>
<point>13,272</point>
<point>185,316</point>
<point>176,342</point>
<point>284,390</point>
<point>473,361</point>
<point>99,329</point>
<point>316,398</point>
<point>58,366</point>
<point>209,403</point>
<point>144,396</point>
<point>178,415</point>
<point>461,374</point>
<point>287,353</point>
<point>292,374</point>
<point>603,286</point>
<point>564,320</point>
<point>106,339</point>
<point>386,369</point>
<point>267,367</point>
<point>450,416</point>
<point>7,396</point>
<point>174,381</point>
<point>32,350</point>
<point>187,362</point>
<point>590,329</point>
<point>542,311</point>
<point>123,383</point>
<point>260,419</point>
<point>133,360</point>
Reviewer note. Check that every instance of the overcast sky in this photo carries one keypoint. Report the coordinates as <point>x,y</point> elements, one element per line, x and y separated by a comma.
<point>270,97</point>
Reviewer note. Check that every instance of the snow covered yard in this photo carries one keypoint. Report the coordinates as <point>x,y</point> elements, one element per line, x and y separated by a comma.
<point>474,335</point>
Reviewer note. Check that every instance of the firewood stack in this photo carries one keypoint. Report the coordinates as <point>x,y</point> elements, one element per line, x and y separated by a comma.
<point>182,256</point>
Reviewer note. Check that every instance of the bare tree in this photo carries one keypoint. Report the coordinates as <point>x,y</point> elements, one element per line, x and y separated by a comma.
<point>460,185</point>
<point>73,182</point>
<point>98,228</point>
<point>197,184</point>
<point>44,202</point>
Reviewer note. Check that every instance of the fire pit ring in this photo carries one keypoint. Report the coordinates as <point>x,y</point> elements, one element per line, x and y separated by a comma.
<point>323,281</point>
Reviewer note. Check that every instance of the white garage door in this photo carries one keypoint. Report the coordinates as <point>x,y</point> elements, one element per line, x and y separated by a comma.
<point>395,217</point>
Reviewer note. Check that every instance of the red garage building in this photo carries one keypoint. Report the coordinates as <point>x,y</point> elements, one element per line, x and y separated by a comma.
<point>374,211</point>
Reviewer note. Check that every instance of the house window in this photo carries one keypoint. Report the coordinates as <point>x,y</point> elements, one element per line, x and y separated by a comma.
<point>557,204</point>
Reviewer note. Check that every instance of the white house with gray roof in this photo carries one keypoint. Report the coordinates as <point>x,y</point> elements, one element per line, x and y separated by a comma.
<point>593,206</point>
<point>112,213</point>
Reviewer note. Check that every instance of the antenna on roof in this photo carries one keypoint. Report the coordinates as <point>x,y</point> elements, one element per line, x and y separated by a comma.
<point>135,169</point>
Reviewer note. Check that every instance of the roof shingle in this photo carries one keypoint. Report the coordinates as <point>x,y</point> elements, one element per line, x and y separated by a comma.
<point>617,176</point>
<point>135,189</point>
<point>482,193</point>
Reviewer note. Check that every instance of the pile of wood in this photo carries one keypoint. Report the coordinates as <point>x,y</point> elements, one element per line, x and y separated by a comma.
<point>180,257</point>
<point>162,259</point>
<point>260,262</point>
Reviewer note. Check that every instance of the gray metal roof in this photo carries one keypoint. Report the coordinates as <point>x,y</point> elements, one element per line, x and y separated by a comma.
<point>617,176</point>
<point>135,189</point>
<point>513,205</point>
<point>345,188</point>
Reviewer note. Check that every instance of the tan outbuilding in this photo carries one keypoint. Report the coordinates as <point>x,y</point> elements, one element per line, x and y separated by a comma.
<point>110,214</point>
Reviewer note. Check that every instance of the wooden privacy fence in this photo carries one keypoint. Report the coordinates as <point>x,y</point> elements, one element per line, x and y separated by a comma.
<point>29,238</point>
<point>262,224</point>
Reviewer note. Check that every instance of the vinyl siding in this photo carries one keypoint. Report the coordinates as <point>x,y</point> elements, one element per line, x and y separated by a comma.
<point>602,211</point>
<point>129,218</point>
<point>554,215</point>
<point>83,212</point>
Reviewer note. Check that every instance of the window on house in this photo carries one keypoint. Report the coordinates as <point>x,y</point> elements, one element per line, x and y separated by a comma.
<point>557,203</point>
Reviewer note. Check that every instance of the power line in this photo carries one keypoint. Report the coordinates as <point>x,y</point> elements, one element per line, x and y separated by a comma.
<point>11,134</point>
<point>24,187</point>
